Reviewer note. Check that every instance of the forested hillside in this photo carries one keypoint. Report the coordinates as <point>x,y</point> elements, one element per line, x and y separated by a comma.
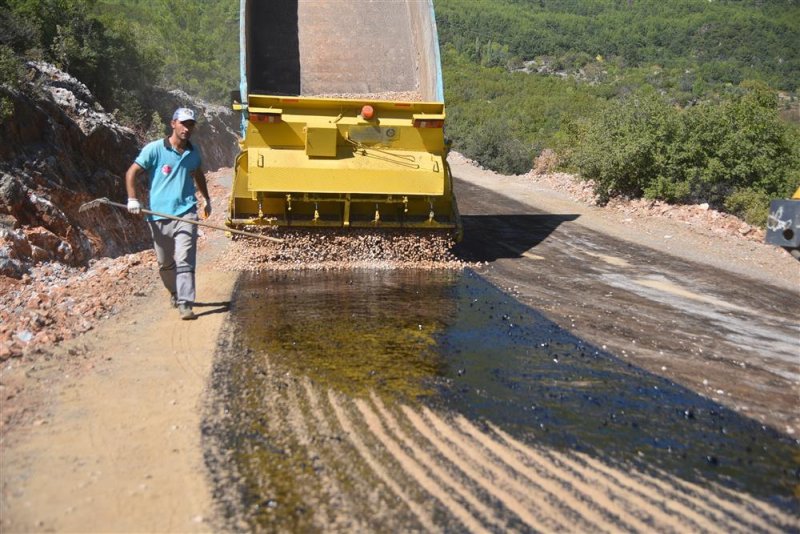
<point>686,100</point>
<point>695,43</point>
<point>683,100</point>
<point>121,48</point>
<point>199,41</point>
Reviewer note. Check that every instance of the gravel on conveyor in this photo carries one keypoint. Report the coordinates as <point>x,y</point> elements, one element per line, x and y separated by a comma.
<point>395,96</point>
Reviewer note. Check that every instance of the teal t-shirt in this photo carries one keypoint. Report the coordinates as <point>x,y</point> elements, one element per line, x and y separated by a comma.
<point>171,177</point>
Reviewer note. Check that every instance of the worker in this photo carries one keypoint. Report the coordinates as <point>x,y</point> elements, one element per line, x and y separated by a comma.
<point>174,168</point>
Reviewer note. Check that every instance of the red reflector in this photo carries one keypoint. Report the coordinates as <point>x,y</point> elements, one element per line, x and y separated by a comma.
<point>420,123</point>
<point>290,100</point>
<point>263,117</point>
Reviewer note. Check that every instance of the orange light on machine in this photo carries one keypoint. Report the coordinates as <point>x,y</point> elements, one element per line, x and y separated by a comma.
<point>367,112</point>
<point>428,123</point>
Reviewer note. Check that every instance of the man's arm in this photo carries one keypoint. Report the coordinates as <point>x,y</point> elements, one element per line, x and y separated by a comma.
<point>130,179</point>
<point>200,182</point>
<point>130,184</point>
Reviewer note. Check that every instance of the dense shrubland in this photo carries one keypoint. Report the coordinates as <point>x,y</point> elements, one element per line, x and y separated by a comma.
<point>733,154</point>
<point>685,100</point>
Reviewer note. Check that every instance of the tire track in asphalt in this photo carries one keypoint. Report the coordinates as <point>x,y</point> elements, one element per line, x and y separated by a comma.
<point>604,514</point>
<point>616,497</point>
<point>348,516</point>
<point>499,490</point>
<point>758,514</point>
<point>348,426</point>
<point>446,470</point>
<point>328,485</point>
<point>679,499</point>
<point>689,503</point>
<point>666,507</point>
<point>555,507</point>
<point>437,467</point>
<point>588,493</point>
<point>413,468</point>
<point>761,511</point>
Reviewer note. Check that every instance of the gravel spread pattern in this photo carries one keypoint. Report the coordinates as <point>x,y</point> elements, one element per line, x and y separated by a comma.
<point>342,249</point>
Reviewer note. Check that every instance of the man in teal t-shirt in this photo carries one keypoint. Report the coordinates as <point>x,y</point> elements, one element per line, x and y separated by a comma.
<point>174,168</point>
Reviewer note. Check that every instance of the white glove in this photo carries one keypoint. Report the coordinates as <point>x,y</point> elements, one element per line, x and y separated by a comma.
<point>134,206</point>
<point>207,208</point>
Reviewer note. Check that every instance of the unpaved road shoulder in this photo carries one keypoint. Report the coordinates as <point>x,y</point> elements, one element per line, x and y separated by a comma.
<point>118,448</point>
<point>704,245</point>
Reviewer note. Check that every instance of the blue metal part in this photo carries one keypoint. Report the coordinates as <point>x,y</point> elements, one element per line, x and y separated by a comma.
<point>243,63</point>
<point>438,59</point>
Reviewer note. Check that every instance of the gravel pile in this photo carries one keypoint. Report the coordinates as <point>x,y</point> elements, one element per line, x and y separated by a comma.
<point>339,249</point>
<point>56,302</point>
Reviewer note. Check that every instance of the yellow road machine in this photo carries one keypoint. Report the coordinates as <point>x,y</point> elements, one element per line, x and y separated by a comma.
<point>342,118</point>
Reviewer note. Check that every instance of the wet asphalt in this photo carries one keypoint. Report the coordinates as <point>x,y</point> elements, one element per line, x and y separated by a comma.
<point>508,343</point>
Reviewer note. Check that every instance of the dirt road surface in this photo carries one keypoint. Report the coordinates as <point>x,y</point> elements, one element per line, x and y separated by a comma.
<point>151,424</point>
<point>116,446</point>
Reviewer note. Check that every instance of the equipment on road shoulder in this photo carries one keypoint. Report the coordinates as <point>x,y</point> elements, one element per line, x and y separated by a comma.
<point>783,224</point>
<point>96,202</point>
<point>331,134</point>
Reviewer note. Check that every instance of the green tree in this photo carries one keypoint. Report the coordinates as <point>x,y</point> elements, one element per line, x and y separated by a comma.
<point>626,147</point>
<point>738,144</point>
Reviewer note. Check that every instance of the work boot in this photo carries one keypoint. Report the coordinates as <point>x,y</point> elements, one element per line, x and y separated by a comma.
<point>173,300</point>
<point>186,311</point>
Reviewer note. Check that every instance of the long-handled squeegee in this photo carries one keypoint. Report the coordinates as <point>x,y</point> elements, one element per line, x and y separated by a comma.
<point>96,202</point>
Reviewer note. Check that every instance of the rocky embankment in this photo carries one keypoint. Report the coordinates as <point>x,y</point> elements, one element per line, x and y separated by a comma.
<point>61,149</point>
<point>58,150</point>
<point>701,218</point>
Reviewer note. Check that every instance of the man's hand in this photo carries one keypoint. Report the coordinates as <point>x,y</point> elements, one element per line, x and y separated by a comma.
<point>134,206</point>
<point>207,208</point>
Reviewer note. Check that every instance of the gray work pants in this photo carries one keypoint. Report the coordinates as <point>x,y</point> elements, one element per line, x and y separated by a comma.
<point>175,243</point>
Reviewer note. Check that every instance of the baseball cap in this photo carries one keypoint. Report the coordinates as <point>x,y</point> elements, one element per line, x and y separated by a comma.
<point>183,114</point>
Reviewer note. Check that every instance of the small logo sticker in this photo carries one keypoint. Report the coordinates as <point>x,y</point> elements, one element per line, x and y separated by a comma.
<point>166,169</point>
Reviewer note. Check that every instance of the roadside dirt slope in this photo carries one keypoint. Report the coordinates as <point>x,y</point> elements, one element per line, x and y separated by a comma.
<point>114,444</point>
